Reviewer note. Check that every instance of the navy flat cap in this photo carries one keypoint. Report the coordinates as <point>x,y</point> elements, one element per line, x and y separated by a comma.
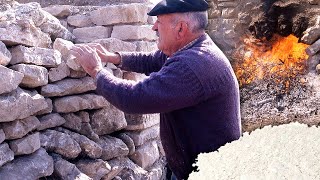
<point>178,6</point>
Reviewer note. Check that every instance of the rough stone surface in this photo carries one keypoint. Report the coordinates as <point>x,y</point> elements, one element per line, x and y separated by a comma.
<point>2,136</point>
<point>115,170</point>
<point>19,128</point>
<point>112,147</point>
<point>278,152</point>
<point>116,45</point>
<point>30,167</point>
<point>312,33</point>
<point>314,48</point>
<point>66,170</point>
<point>80,123</point>
<point>61,143</point>
<point>85,34</point>
<point>54,28</point>
<point>26,145</point>
<point>80,102</point>
<point>145,46</point>
<point>50,121</point>
<point>5,55</point>
<point>21,104</point>
<point>68,87</point>
<point>59,73</point>
<point>6,154</point>
<point>35,55</point>
<point>141,121</point>
<point>34,76</point>
<point>89,148</point>
<point>63,46</point>
<point>80,20</point>
<point>46,110</point>
<point>9,79</point>
<point>146,154</point>
<point>130,170</point>
<point>95,168</point>
<point>107,120</point>
<point>128,13</point>
<point>143,136</point>
<point>128,141</point>
<point>23,32</point>
<point>59,11</point>
<point>134,32</point>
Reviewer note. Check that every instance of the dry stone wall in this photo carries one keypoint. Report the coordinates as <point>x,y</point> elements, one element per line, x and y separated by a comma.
<point>52,124</point>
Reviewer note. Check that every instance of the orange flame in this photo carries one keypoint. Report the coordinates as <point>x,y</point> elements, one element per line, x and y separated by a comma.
<point>279,59</point>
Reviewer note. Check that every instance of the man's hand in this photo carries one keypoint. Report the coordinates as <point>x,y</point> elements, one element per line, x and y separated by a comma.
<point>88,58</point>
<point>104,54</point>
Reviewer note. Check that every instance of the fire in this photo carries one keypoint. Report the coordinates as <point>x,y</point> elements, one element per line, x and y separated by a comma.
<point>280,59</point>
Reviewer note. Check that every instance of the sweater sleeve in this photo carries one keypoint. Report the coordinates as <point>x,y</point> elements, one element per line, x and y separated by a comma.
<point>175,86</point>
<point>142,62</point>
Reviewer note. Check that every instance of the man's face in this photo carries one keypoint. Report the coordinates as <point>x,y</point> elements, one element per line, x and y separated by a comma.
<point>166,32</point>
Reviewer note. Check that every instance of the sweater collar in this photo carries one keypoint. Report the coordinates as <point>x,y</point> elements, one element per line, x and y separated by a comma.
<point>190,44</point>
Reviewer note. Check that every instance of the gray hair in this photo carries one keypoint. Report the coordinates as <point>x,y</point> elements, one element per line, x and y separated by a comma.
<point>197,21</point>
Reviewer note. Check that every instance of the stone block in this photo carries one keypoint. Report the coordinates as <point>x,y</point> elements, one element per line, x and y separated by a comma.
<point>68,87</point>
<point>5,55</point>
<point>143,136</point>
<point>314,48</point>
<point>61,143</point>
<point>6,154</point>
<point>65,170</point>
<point>59,73</point>
<point>34,76</point>
<point>63,46</point>
<point>116,45</point>
<point>80,123</point>
<point>128,141</point>
<point>50,121</point>
<point>25,145</point>
<point>312,34</point>
<point>107,120</point>
<point>134,32</point>
<point>19,128</point>
<point>80,20</point>
<point>35,55</point>
<point>33,166</point>
<point>141,121</point>
<point>25,33</point>
<point>59,11</point>
<point>130,170</point>
<point>116,14</point>
<point>146,155</point>
<point>78,103</point>
<point>112,147</point>
<point>46,110</point>
<point>144,46</point>
<point>88,147</point>
<point>94,168</point>
<point>89,34</point>
<point>9,79</point>
<point>21,104</point>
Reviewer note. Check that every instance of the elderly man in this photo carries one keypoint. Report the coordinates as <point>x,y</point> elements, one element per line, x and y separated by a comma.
<point>191,84</point>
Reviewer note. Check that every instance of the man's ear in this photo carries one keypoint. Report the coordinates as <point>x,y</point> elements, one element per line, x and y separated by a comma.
<point>183,29</point>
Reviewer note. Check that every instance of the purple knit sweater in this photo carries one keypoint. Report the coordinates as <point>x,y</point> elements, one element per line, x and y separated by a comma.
<point>195,91</point>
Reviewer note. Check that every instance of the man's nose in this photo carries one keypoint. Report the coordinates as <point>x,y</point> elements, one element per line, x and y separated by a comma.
<point>155,26</point>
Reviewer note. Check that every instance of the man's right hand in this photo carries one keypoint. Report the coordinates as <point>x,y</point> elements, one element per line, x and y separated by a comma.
<point>105,55</point>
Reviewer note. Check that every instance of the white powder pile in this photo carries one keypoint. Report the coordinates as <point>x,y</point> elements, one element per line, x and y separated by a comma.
<point>290,151</point>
